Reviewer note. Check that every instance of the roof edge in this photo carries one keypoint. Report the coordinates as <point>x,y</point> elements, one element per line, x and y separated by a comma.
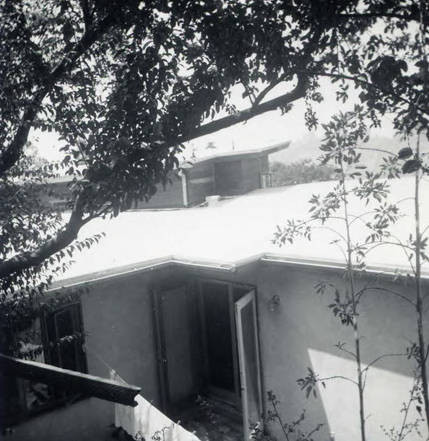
<point>387,270</point>
<point>237,153</point>
<point>222,266</point>
<point>148,265</point>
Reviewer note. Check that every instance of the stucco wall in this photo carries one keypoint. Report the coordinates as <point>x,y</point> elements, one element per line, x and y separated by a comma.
<point>229,177</point>
<point>251,174</point>
<point>302,333</point>
<point>201,182</point>
<point>118,322</point>
<point>169,197</point>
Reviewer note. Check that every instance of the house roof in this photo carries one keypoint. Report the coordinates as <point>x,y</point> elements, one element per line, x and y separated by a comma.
<point>237,230</point>
<point>237,154</point>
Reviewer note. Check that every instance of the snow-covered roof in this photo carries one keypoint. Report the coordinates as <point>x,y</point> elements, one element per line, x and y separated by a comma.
<point>236,230</point>
<point>236,154</point>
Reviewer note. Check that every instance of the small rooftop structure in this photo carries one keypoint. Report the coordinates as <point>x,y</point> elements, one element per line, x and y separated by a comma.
<point>224,174</point>
<point>238,154</point>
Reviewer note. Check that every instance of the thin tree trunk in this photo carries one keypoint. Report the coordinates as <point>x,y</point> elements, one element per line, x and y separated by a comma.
<point>418,266</point>
<point>350,277</point>
<point>419,299</point>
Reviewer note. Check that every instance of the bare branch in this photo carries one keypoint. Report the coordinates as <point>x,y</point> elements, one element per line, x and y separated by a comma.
<point>402,435</point>
<point>337,377</point>
<point>346,351</point>
<point>390,291</point>
<point>376,150</point>
<point>332,230</point>
<point>376,360</point>
<point>359,217</point>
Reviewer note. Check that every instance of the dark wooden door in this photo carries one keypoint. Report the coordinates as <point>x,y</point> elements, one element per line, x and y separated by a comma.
<point>179,352</point>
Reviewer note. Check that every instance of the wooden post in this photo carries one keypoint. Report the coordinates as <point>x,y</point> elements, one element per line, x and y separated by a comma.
<point>88,385</point>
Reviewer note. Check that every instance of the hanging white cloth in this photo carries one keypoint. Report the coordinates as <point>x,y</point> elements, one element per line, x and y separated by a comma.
<point>146,422</point>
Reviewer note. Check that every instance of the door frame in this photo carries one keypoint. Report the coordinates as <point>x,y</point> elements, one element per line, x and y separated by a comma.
<point>195,285</point>
<point>235,395</point>
<point>160,341</point>
<point>234,341</point>
<point>161,356</point>
<point>251,298</point>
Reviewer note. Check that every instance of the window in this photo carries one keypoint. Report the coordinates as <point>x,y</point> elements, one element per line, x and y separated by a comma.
<point>63,338</point>
<point>60,334</point>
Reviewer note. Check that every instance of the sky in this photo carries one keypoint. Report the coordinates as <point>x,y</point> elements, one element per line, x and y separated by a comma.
<point>267,129</point>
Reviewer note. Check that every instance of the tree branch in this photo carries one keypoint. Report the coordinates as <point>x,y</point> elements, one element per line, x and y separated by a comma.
<point>368,84</point>
<point>365,370</point>
<point>87,18</point>
<point>69,233</point>
<point>268,89</point>
<point>376,360</point>
<point>63,238</point>
<point>337,377</point>
<point>346,351</point>
<point>387,290</point>
<point>244,115</point>
<point>377,150</point>
<point>369,15</point>
<point>13,151</point>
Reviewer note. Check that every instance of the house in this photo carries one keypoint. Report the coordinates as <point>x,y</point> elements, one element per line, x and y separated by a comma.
<point>224,174</point>
<point>56,192</point>
<point>199,302</point>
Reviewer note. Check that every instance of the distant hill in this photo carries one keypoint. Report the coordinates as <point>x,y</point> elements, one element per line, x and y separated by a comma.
<point>308,147</point>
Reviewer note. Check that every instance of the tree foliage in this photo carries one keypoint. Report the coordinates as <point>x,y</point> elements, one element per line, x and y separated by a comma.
<point>300,172</point>
<point>125,83</point>
<point>357,234</point>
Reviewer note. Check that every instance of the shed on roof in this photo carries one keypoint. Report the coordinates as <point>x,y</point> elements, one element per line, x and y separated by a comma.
<point>224,174</point>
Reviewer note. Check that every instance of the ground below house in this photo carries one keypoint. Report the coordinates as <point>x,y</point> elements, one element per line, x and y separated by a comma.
<point>212,421</point>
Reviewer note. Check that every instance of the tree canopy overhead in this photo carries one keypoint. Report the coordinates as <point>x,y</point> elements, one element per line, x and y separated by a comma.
<point>124,83</point>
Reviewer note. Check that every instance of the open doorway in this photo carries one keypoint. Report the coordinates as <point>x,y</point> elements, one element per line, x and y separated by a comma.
<point>208,354</point>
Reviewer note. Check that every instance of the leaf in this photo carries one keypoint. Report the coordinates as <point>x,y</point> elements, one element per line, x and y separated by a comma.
<point>405,153</point>
<point>411,166</point>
